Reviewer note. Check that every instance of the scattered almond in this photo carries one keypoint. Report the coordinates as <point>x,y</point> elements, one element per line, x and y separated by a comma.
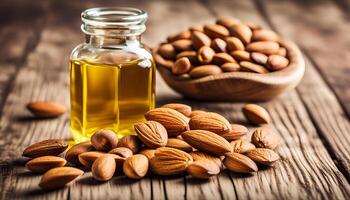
<point>239,163</point>
<point>73,153</point>
<point>265,47</point>
<point>222,58</point>
<point>242,32</point>
<point>264,137</point>
<point>205,54</point>
<point>263,156</point>
<point>211,122</point>
<point>218,45</point>
<point>179,144</point>
<point>207,141</point>
<point>246,66</point>
<point>170,161</point>
<point>182,108</point>
<point>256,114</point>
<point>131,142</point>
<point>152,134</point>
<point>181,66</point>
<point>59,177</point>
<point>277,62</point>
<point>259,58</point>
<point>240,55</point>
<point>45,163</point>
<point>104,167</point>
<point>173,121</point>
<point>216,31</point>
<point>198,155</point>
<point>228,21</point>
<point>46,109</point>
<point>167,51</point>
<point>264,35</point>
<point>237,132</point>
<point>183,45</point>
<point>230,67</point>
<point>234,44</point>
<point>50,147</point>
<point>203,169</point>
<point>136,166</point>
<point>242,146</point>
<point>104,140</point>
<point>88,158</point>
<point>122,152</point>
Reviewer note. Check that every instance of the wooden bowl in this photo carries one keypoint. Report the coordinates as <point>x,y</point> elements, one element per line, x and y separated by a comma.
<point>241,86</point>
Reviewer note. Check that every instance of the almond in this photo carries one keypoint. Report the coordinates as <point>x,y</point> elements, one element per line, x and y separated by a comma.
<point>179,36</point>
<point>205,55</point>
<point>196,28</point>
<point>45,163</point>
<point>152,134</point>
<point>200,39</point>
<point>203,169</point>
<point>197,155</point>
<point>282,51</point>
<point>181,66</point>
<point>182,108</point>
<point>104,140</point>
<point>218,45</point>
<point>239,163</point>
<point>46,109</point>
<point>246,66</point>
<point>228,21</point>
<point>256,114</point>
<point>179,144</point>
<point>173,121</point>
<point>131,142</point>
<point>234,44</point>
<point>122,152</point>
<point>241,55</point>
<point>104,167</point>
<point>196,112</point>
<point>216,31</point>
<point>149,153</point>
<point>277,62</point>
<point>136,166</point>
<point>265,47</point>
<point>58,177</point>
<point>88,158</point>
<point>263,156</point>
<point>253,26</point>
<point>230,67</point>
<point>167,51</point>
<point>207,141</point>
<point>237,131</point>
<point>263,137</point>
<point>191,55</point>
<point>183,45</point>
<point>50,147</point>
<point>160,61</point>
<point>170,161</point>
<point>73,153</point>
<point>211,122</point>
<point>205,70</point>
<point>264,35</point>
<point>242,146</point>
<point>222,58</point>
<point>242,32</point>
<point>259,58</point>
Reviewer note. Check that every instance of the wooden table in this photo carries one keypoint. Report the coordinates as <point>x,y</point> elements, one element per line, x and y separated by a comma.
<point>36,38</point>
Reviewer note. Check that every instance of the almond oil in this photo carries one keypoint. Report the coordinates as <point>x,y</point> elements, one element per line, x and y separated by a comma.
<point>110,91</point>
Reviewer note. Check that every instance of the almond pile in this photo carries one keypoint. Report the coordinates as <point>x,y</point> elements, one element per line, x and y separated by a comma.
<point>227,46</point>
<point>173,140</point>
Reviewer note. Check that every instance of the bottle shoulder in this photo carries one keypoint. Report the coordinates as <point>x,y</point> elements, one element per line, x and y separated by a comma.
<point>86,51</point>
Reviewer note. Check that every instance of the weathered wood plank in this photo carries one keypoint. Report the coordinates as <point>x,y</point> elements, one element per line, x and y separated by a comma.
<point>17,38</point>
<point>326,112</point>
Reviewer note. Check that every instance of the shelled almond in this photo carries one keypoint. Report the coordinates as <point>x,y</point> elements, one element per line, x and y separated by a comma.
<point>174,140</point>
<point>227,41</point>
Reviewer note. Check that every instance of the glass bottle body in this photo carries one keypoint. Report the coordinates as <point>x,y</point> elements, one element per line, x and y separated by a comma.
<point>112,82</point>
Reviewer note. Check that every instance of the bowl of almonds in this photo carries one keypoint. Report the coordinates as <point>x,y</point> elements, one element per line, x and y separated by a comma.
<point>229,61</point>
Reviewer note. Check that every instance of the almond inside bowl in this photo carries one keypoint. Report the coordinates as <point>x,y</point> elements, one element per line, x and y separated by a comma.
<point>240,86</point>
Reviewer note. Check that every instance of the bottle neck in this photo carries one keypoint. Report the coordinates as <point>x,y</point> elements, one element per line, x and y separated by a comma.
<point>99,41</point>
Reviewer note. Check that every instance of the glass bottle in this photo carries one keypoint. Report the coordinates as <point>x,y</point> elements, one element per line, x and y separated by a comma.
<point>112,75</point>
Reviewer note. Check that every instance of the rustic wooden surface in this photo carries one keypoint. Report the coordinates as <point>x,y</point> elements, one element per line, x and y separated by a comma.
<point>313,120</point>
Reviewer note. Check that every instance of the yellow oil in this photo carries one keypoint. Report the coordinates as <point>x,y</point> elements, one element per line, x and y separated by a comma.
<point>110,91</point>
